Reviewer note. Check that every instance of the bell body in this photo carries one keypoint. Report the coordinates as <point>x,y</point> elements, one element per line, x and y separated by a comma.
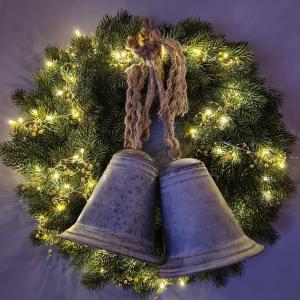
<point>119,215</point>
<point>200,231</point>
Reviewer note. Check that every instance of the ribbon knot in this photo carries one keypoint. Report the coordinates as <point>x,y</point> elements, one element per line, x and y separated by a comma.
<point>148,46</point>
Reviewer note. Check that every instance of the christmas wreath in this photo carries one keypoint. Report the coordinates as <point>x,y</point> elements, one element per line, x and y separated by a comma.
<point>74,122</point>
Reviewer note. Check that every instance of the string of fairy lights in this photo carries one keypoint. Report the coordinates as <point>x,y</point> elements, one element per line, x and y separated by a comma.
<point>39,119</point>
<point>270,158</point>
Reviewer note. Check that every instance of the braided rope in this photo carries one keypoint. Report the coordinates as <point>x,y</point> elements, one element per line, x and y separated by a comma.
<point>173,99</point>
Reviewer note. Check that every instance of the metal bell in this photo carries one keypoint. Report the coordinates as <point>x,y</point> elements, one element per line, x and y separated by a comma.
<point>200,231</point>
<point>119,215</point>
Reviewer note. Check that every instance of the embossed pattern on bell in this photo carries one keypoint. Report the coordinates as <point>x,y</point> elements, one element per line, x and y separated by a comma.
<point>119,215</point>
<point>200,231</point>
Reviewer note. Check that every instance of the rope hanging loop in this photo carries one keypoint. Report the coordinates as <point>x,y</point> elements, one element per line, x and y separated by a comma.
<point>148,46</point>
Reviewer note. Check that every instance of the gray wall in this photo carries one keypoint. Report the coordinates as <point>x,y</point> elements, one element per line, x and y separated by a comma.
<point>27,26</point>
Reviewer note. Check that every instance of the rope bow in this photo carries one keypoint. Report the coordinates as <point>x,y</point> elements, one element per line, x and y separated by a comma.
<point>148,46</point>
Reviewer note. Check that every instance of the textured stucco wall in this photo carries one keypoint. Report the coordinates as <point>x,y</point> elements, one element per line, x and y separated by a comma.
<point>27,26</point>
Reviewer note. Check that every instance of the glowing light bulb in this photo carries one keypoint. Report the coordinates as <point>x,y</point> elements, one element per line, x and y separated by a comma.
<point>11,122</point>
<point>224,121</point>
<point>59,93</point>
<point>81,150</point>
<point>75,113</point>
<point>234,155</point>
<point>55,175</point>
<point>181,282</point>
<point>225,55</point>
<point>49,63</point>
<point>267,195</point>
<point>192,131</point>
<point>122,54</point>
<point>49,117</point>
<point>119,55</point>
<point>60,207</point>
<point>265,152</point>
<point>66,186</point>
<point>218,150</point>
<point>266,178</point>
<point>72,78</point>
<point>75,157</point>
<point>77,33</point>
<point>20,120</point>
<point>34,112</point>
<point>208,112</point>
<point>197,51</point>
<point>280,161</point>
<point>91,183</point>
<point>102,270</point>
<point>163,285</point>
<point>38,168</point>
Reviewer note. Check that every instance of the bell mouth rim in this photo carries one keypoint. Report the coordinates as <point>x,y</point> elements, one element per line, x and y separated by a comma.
<point>112,243</point>
<point>138,155</point>
<point>175,267</point>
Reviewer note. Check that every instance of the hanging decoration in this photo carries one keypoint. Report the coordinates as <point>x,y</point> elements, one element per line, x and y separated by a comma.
<point>73,123</point>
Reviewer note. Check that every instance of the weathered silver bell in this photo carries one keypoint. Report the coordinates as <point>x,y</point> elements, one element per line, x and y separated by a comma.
<point>119,215</point>
<point>200,231</point>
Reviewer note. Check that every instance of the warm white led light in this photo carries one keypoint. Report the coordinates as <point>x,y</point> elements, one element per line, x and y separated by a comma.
<point>59,93</point>
<point>77,33</point>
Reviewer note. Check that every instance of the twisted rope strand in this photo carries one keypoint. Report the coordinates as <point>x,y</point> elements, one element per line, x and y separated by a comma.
<point>173,99</point>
